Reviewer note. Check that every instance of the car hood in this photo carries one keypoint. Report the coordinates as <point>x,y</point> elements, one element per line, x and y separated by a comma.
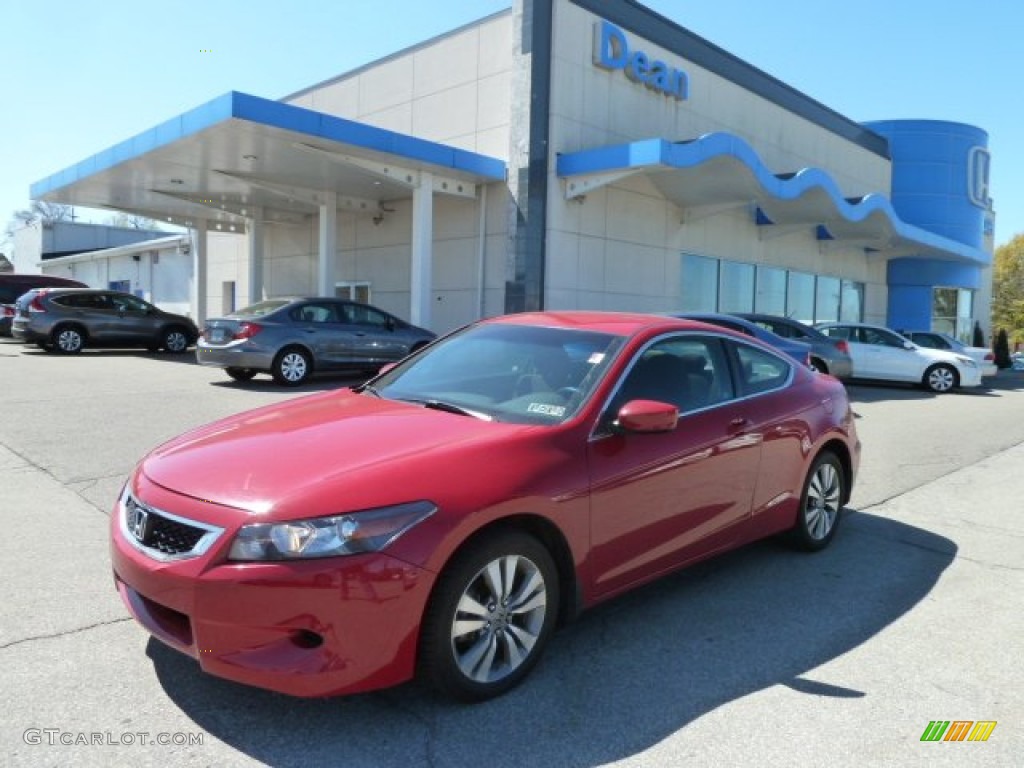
<point>315,454</point>
<point>942,355</point>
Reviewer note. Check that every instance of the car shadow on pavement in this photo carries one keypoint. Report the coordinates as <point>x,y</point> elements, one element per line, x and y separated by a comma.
<point>620,680</point>
<point>318,382</point>
<point>875,392</point>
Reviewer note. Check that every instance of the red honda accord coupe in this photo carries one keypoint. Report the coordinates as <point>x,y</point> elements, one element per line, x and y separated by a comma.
<point>442,519</point>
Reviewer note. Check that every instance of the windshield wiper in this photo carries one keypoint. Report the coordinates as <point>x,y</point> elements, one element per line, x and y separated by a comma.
<point>367,390</point>
<point>441,405</point>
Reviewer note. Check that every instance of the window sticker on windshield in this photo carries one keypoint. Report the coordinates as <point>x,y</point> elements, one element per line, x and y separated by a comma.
<point>548,410</point>
<point>595,358</point>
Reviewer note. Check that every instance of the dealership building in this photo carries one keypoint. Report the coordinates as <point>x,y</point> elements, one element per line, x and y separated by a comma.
<point>563,154</point>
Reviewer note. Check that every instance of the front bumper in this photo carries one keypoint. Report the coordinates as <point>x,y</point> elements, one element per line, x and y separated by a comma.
<point>316,627</point>
<point>970,377</point>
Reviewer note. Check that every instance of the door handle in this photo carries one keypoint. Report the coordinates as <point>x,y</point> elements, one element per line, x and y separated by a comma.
<point>737,425</point>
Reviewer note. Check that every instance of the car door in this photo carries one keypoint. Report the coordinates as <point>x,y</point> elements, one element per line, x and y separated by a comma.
<point>135,320</point>
<point>375,338</point>
<point>658,500</point>
<point>96,312</point>
<point>316,326</point>
<point>888,356</point>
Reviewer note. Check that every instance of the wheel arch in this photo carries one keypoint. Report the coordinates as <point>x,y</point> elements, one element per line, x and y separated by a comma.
<point>941,364</point>
<point>61,324</point>
<point>297,345</point>
<point>549,535</point>
<point>841,452</point>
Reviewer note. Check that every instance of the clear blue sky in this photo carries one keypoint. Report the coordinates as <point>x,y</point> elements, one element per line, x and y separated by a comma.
<point>78,77</point>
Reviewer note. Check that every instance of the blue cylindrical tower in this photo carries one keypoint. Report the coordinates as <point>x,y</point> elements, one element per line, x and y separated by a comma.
<point>940,183</point>
<point>940,176</point>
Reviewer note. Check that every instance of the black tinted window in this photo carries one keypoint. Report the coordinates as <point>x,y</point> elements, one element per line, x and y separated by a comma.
<point>313,313</point>
<point>689,372</point>
<point>360,314</point>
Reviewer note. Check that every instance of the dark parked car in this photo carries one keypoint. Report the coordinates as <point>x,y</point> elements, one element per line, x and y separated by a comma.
<point>289,338</point>
<point>827,355</point>
<point>14,285</point>
<point>445,517</point>
<point>67,320</point>
<point>798,350</point>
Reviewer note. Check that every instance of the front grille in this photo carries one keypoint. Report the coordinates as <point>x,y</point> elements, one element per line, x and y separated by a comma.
<point>163,535</point>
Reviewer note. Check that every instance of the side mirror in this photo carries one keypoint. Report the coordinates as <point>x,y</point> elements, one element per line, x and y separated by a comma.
<point>909,345</point>
<point>647,416</point>
<point>390,324</point>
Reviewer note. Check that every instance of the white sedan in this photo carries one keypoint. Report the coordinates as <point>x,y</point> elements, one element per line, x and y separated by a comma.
<point>879,353</point>
<point>985,358</point>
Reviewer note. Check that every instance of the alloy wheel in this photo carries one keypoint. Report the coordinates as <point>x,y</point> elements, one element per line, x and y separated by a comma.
<point>823,500</point>
<point>499,618</point>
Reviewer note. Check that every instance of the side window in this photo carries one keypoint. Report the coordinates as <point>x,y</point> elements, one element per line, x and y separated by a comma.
<point>760,371</point>
<point>931,341</point>
<point>129,304</point>
<point>313,313</point>
<point>690,372</point>
<point>840,332</point>
<point>880,339</point>
<point>364,315</point>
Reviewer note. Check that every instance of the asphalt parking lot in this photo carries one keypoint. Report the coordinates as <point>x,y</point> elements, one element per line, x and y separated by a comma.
<point>763,657</point>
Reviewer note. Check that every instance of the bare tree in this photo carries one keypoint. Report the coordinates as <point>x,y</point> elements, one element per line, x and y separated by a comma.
<point>40,210</point>
<point>132,221</point>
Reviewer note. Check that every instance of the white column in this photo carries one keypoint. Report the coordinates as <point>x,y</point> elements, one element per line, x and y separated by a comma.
<point>422,250</point>
<point>199,271</point>
<point>328,258</point>
<point>255,225</point>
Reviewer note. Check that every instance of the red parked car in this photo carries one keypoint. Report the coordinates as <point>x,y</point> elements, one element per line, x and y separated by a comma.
<point>443,518</point>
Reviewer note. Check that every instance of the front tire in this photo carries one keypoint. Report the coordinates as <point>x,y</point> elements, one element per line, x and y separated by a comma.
<point>941,378</point>
<point>240,374</point>
<point>292,367</point>
<point>67,339</point>
<point>490,616</point>
<point>820,503</point>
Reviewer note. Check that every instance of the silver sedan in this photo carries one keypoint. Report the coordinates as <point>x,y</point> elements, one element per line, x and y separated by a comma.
<point>289,338</point>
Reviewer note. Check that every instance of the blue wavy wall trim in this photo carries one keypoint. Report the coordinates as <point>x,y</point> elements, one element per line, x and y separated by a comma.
<point>651,153</point>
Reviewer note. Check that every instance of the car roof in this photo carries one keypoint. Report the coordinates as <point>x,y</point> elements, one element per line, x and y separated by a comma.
<point>616,323</point>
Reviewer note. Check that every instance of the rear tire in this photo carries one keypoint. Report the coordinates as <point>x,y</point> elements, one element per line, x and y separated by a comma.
<point>67,339</point>
<point>490,616</point>
<point>820,503</point>
<point>291,367</point>
<point>240,374</point>
<point>175,340</point>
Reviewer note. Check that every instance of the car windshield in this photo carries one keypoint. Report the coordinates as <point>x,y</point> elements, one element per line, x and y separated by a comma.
<point>260,309</point>
<point>515,373</point>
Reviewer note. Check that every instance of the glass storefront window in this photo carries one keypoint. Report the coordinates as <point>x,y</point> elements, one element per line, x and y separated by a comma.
<point>851,301</point>
<point>700,283</point>
<point>736,287</point>
<point>771,291</point>
<point>800,297</point>
<point>826,301</point>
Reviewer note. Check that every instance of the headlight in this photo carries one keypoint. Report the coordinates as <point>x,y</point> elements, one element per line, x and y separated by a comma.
<point>350,534</point>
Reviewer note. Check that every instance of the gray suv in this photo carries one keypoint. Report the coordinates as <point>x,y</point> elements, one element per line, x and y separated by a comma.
<point>68,319</point>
